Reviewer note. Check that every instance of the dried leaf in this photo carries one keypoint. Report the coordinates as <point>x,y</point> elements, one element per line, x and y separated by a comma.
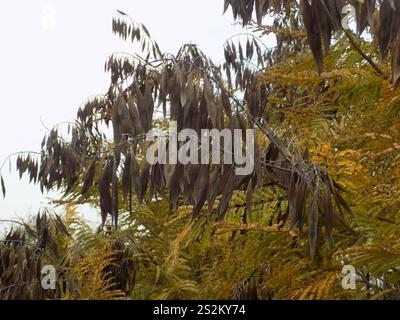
<point>88,182</point>
<point>3,187</point>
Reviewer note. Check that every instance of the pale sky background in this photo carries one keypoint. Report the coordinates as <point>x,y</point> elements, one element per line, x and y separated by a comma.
<point>52,59</point>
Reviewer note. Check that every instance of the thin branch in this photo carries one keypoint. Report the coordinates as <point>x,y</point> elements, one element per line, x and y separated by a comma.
<point>17,153</point>
<point>364,55</point>
<point>354,43</point>
<point>13,221</point>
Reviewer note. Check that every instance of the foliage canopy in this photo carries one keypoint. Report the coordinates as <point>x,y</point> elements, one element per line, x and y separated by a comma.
<point>324,193</point>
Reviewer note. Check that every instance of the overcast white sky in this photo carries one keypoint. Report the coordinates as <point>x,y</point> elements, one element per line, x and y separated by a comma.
<point>52,58</point>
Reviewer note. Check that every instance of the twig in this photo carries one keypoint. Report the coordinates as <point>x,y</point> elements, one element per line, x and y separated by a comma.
<point>364,55</point>
<point>17,153</point>
<point>354,43</point>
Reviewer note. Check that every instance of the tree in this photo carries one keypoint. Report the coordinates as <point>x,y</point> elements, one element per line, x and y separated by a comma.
<point>321,192</point>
